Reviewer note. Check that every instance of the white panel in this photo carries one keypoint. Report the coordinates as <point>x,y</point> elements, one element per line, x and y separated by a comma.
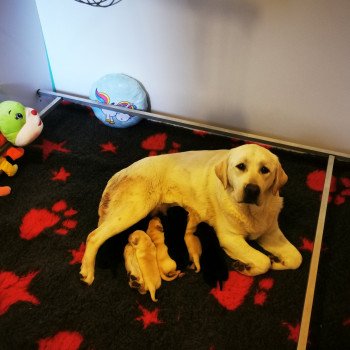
<point>23,63</point>
<point>278,68</point>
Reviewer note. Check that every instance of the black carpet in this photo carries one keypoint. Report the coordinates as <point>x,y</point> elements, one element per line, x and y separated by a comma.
<point>53,206</point>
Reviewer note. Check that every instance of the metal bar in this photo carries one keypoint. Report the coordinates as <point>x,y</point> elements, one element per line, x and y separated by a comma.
<point>50,107</point>
<point>310,290</point>
<point>197,125</point>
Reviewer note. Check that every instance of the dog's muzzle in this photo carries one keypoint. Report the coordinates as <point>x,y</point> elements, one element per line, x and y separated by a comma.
<point>251,194</point>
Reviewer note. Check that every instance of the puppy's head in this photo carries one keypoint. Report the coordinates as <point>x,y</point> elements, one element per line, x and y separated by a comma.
<point>139,239</point>
<point>155,225</point>
<point>250,173</point>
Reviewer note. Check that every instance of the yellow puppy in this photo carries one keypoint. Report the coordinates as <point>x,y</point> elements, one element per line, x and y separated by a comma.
<point>145,252</point>
<point>166,265</point>
<point>133,269</point>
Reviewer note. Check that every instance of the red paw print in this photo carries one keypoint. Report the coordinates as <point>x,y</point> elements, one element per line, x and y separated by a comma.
<point>294,331</point>
<point>77,254</point>
<point>236,289</point>
<point>14,289</point>
<point>60,175</point>
<point>62,340</point>
<point>37,221</point>
<point>108,147</point>
<point>148,317</point>
<point>156,144</point>
<point>315,182</point>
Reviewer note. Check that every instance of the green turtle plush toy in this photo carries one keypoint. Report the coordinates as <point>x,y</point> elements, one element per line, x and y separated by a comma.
<point>19,126</point>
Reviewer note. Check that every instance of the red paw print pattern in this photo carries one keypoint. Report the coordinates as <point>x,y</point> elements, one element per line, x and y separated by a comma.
<point>237,288</point>
<point>14,289</point>
<point>60,175</point>
<point>307,245</point>
<point>264,286</point>
<point>49,147</point>
<point>156,144</point>
<point>77,254</point>
<point>294,331</point>
<point>37,221</point>
<point>109,147</point>
<point>339,189</point>
<point>148,317</point>
<point>61,341</point>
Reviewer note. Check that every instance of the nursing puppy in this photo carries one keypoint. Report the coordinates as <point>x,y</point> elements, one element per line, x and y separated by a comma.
<point>235,191</point>
<point>146,255</point>
<point>166,265</point>
<point>133,269</point>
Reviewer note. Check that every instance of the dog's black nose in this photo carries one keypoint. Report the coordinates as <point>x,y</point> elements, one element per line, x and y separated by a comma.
<point>251,194</point>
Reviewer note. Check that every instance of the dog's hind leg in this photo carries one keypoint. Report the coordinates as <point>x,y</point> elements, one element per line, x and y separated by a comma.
<point>106,230</point>
<point>131,206</point>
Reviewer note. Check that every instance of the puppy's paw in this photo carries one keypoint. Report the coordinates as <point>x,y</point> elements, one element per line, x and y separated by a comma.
<point>134,281</point>
<point>195,266</point>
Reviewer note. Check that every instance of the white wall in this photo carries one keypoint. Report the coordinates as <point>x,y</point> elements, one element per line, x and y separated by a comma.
<point>273,67</point>
<point>23,62</point>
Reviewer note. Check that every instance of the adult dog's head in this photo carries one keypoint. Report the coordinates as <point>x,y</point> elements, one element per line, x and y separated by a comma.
<point>251,173</point>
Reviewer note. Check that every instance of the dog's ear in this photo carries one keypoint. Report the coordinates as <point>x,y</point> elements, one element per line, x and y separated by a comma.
<point>280,179</point>
<point>221,171</point>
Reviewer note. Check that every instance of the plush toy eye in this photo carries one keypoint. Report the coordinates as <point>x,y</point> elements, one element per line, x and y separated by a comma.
<point>264,170</point>
<point>19,116</point>
<point>241,166</point>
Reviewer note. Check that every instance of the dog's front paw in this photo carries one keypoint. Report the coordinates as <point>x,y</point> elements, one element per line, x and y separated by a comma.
<point>287,263</point>
<point>261,265</point>
<point>291,261</point>
<point>240,266</point>
<point>274,259</point>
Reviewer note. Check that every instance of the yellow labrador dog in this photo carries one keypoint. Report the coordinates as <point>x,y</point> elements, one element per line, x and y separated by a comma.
<point>236,191</point>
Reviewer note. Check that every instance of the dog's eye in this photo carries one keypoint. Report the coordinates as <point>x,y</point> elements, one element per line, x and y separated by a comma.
<point>264,170</point>
<point>19,116</point>
<point>241,166</point>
